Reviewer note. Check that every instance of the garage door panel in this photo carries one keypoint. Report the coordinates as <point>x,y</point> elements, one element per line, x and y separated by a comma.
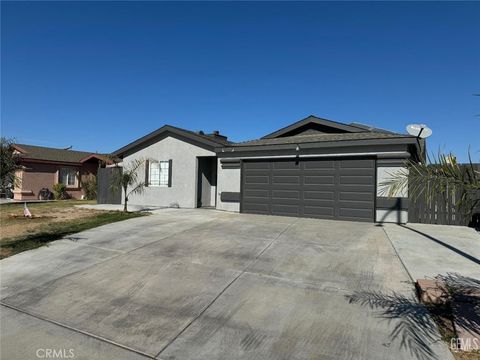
<point>317,211</point>
<point>318,180</point>
<point>361,188</point>
<point>356,179</point>
<point>257,165</point>
<point>257,208</point>
<point>320,195</point>
<point>289,187</point>
<point>259,172</point>
<point>284,179</point>
<point>255,200</point>
<point>289,202</point>
<point>263,193</point>
<point>320,203</point>
<point>286,194</point>
<point>318,164</point>
<point>286,165</point>
<point>355,172</point>
<point>320,188</point>
<point>288,210</point>
<point>354,204</point>
<point>257,179</point>
<point>325,172</point>
<point>362,196</point>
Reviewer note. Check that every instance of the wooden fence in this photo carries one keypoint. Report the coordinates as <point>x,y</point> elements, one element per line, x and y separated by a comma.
<point>104,192</point>
<point>441,210</point>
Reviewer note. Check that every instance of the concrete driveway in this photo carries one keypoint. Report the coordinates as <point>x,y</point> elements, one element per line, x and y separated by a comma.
<point>204,284</point>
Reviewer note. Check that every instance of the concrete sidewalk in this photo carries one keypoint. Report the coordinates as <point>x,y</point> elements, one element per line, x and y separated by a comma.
<point>429,250</point>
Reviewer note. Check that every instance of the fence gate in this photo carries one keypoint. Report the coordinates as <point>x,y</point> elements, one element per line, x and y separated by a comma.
<point>104,193</point>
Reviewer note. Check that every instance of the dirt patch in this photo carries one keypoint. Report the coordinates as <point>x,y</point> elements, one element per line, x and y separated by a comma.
<point>50,221</point>
<point>461,355</point>
<point>15,224</point>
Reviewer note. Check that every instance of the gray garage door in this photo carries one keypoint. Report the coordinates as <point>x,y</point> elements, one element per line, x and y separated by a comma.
<point>320,188</point>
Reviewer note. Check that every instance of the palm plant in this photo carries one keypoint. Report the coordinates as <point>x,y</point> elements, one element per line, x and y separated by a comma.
<point>441,175</point>
<point>128,180</point>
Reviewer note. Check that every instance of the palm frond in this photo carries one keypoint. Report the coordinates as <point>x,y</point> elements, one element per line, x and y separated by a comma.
<point>138,189</point>
<point>127,176</point>
<point>441,175</point>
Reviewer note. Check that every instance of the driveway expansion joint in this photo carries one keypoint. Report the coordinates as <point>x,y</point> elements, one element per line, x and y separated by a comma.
<point>86,333</point>
<point>223,290</point>
<point>398,256</point>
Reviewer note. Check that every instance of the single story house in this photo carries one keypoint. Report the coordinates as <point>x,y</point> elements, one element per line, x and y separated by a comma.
<point>42,167</point>
<point>314,168</point>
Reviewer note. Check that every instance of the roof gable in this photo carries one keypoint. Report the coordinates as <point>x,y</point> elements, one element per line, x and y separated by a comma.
<point>41,153</point>
<point>314,125</point>
<point>201,140</point>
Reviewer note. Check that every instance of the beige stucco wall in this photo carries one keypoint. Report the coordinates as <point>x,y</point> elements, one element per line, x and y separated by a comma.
<point>184,173</point>
<point>229,181</point>
<point>385,173</point>
<point>384,215</point>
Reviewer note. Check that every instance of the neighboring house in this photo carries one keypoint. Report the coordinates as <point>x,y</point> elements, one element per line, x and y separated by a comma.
<point>313,168</point>
<point>42,167</point>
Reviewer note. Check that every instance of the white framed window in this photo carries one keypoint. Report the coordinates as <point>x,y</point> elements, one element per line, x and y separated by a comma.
<point>159,173</point>
<point>68,176</point>
<point>154,174</point>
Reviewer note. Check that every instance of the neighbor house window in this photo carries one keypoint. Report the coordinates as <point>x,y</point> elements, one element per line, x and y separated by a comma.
<point>68,176</point>
<point>158,173</point>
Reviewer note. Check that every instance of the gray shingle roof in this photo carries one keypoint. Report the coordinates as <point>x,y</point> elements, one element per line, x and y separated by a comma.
<point>207,140</point>
<point>302,139</point>
<point>216,139</point>
<point>53,154</point>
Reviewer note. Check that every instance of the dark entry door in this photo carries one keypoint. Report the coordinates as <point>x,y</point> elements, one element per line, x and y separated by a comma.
<point>206,181</point>
<point>341,189</point>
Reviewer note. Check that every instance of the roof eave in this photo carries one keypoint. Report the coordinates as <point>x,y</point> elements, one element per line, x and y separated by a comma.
<point>322,144</point>
<point>44,161</point>
<point>165,130</point>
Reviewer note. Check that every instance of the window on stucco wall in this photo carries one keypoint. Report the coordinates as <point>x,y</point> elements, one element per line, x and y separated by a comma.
<point>158,173</point>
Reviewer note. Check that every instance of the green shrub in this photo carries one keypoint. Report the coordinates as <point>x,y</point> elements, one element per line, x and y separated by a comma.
<point>60,191</point>
<point>90,188</point>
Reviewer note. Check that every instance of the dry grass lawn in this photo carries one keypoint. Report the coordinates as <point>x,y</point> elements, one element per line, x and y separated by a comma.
<point>474,355</point>
<point>14,224</point>
<point>51,221</point>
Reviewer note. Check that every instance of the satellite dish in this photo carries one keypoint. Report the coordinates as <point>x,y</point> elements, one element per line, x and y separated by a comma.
<point>420,131</point>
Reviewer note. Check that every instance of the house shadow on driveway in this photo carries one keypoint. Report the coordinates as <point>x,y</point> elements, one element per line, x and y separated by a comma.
<point>414,329</point>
